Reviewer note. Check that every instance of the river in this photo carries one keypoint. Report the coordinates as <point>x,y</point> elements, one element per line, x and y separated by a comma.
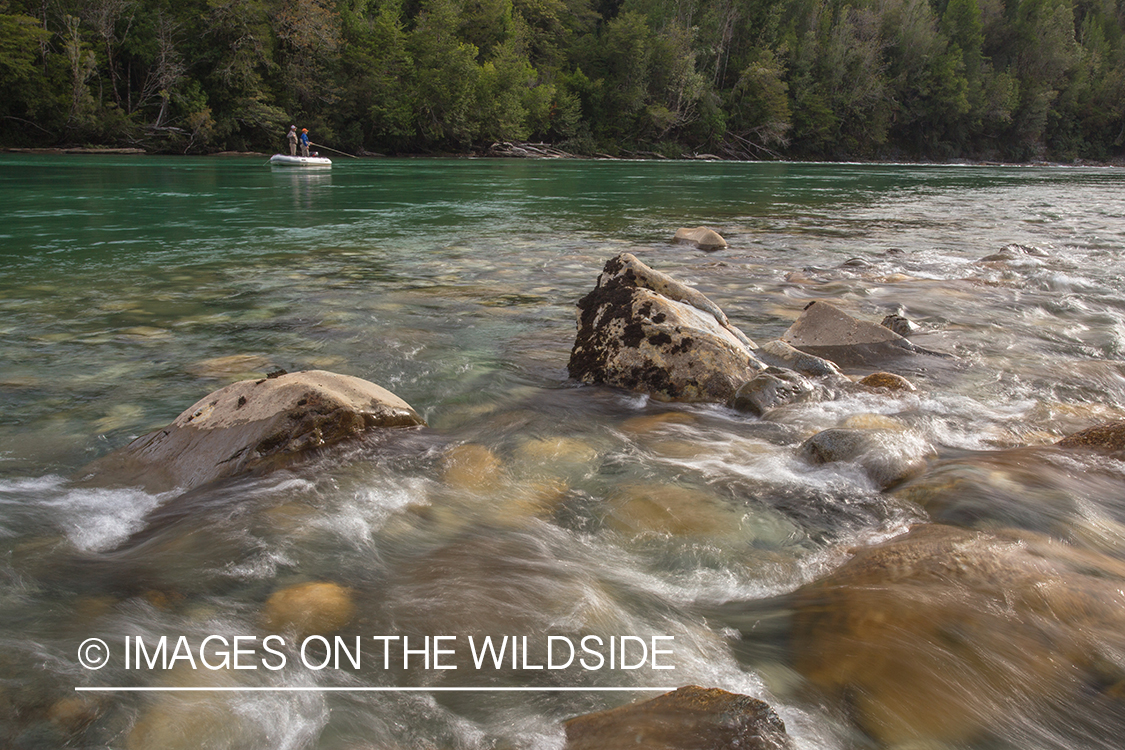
<point>132,286</point>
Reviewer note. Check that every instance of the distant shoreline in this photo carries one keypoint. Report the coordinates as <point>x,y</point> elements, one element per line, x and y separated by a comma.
<point>492,154</point>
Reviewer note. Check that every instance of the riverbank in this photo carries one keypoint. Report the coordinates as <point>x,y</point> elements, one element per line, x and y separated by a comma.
<point>543,151</point>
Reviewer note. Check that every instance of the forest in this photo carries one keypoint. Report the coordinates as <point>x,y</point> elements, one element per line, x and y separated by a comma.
<point>1011,80</point>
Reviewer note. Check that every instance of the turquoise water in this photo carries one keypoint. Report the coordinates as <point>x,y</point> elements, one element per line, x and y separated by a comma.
<point>132,286</point>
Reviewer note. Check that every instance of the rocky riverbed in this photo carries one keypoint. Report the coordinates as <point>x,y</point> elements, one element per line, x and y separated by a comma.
<point>854,474</point>
<point>977,619</point>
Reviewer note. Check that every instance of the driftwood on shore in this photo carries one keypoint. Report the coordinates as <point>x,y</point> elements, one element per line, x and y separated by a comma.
<point>522,150</point>
<point>528,151</point>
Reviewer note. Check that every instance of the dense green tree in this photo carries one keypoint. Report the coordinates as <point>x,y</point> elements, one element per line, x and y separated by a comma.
<point>1013,79</point>
<point>760,117</point>
<point>21,99</point>
<point>926,76</point>
<point>236,51</point>
<point>444,77</point>
<point>309,38</point>
<point>376,107</point>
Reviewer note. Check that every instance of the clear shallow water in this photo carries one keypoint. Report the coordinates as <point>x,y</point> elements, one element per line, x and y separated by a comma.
<point>127,285</point>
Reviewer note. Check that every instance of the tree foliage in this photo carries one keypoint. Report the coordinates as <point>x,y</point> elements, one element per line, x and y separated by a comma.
<point>996,79</point>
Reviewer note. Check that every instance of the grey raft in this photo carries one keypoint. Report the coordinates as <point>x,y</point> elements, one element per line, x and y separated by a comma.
<point>281,160</point>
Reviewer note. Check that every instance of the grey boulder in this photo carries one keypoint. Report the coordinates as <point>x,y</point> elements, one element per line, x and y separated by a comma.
<point>642,330</point>
<point>253,425</point>
<point>827,331</point>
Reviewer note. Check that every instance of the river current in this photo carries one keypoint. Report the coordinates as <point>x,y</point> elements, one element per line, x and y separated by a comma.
<point>130,287</point>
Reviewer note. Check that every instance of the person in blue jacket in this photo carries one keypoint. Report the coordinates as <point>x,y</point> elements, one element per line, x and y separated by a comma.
<point>304,142</point>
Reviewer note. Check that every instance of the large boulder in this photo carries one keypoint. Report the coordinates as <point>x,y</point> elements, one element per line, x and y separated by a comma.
<point>642,330</point>
<point>690,718</point>
<point>253,425</point>
<point>827,331</point>
<point>944,634</point>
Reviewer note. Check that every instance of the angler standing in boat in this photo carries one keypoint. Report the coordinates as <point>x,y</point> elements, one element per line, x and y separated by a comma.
<point>305,142</point>
<point>292,138</point>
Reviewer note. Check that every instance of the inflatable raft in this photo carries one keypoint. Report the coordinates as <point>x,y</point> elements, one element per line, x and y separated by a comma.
<point>281,160</point>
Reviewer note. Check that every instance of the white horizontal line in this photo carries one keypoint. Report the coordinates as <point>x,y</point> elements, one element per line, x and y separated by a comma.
<point>365,689</point>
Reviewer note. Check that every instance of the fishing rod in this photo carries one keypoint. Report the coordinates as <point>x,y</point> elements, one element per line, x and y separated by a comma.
<point>319,145</point>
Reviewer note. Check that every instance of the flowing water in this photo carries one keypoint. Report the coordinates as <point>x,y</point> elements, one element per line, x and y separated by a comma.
<point>530,507</point>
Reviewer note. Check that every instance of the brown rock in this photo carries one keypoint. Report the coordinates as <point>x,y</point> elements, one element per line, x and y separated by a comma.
<point>689,718</point>
<point>887,380</point>
<point>73,714</point>
<point>670,509</point>
<point>943,633</point>
<point>253,425</point>
<point>471,466</point>
<point>313,608</point>
<point>190,720</point>
<point>1039,488</point>
<point>648,423</point>
<point>901,325</point>
<point>1013,251</point>
<point>1107,438</point>
<point>781,354</point>
<point>231,366</point>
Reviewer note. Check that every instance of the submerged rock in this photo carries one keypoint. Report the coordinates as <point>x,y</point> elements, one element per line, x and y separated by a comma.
<point>74,713</point>
<point>1015,250</point>
<point>887,456</point>
<point>943,633</point>
<point>667,509</point>
<point>556,451</point>
<point>648,423</point>
<point>253,425</point>
<point>689,718</point>
<point>702,237</point>
<point>826,331</point>
<point>234,366</point>
<point>313,608</point>
<point>1074,497</point>
<point>472,467</point>
<point>192,719</point>
<point>642,330</point>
